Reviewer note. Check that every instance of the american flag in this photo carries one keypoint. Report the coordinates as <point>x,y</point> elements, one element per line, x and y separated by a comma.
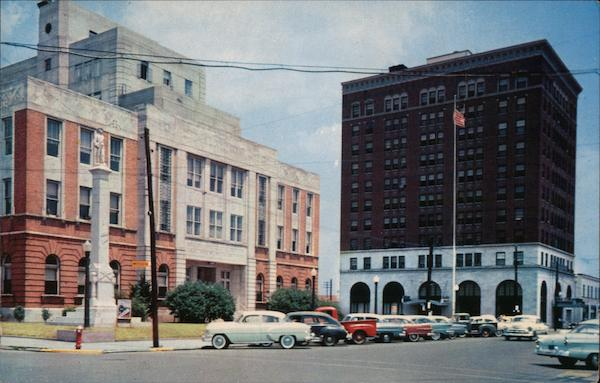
<point>459,119</point>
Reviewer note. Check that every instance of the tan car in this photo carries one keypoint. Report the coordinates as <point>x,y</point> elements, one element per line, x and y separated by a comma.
<point>525,326</point>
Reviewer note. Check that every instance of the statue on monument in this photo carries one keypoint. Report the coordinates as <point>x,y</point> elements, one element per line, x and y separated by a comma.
<point>99,147</point>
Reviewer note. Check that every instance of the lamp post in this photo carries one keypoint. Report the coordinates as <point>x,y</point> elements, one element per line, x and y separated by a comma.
<point>555,310</point>
<point>87,247</point>
<point>376,281</point>
<point>313,274</point>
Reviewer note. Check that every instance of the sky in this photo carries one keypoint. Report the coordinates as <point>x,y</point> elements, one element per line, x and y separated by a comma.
<point>300,114</point>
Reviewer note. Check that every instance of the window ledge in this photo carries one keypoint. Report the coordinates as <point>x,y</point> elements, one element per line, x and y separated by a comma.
<point>53,296</point>
<point>7,294</point>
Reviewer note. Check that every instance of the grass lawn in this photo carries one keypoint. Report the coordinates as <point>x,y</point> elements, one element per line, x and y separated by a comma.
<point>166,330</point>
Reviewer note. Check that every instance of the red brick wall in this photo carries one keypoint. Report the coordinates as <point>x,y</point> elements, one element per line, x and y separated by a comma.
<point>29,150</point>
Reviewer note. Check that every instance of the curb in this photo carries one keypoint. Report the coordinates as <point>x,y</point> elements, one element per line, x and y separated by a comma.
<point>96,351</point>
<point>65,351</point>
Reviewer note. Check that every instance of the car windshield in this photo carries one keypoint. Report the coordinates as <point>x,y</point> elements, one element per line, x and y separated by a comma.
<point>587,329</point>
<point>521,319</point>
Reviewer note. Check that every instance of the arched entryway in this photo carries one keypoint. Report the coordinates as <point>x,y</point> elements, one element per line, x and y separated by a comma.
<point>435,294</point>
<point>506,299</point>
<point>543,302</point>
<point>569,292</point>
<point>393,293</point>
<point>360,298</point>
<point>468,298</point>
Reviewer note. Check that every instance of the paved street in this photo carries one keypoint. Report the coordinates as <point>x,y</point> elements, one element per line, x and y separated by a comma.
<point>460,360</point>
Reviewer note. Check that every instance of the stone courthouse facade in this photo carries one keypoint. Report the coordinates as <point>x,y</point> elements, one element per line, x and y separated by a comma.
<point>227,211</point>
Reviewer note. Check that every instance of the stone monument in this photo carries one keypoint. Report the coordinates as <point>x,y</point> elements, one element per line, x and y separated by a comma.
<point>103,310</point>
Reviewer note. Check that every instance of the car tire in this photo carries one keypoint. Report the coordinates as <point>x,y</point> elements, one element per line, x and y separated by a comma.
<point>485,333</point>
<point>498,333</point>
<point>359,337</point>
<point>329,340</point>
<point>220,341</point>
<point>566,362</point>
<point>535,336</point>
<point>386,338</point>
<point>266,344</point>
<point>507,338</point>
<point>436,336</point>
<point>413,337</point>
<point>463,335</point>
<point>452,336</point>
<point>287,341</point>
<point>592,361</point>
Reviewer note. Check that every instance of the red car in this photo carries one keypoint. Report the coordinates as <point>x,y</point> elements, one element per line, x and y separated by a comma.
<point>361,330</point>
<point>414,331</point>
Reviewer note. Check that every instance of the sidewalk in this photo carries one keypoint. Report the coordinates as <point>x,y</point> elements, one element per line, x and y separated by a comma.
<point>45,345</point>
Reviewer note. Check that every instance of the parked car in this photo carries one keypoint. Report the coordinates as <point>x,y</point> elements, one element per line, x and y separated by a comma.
<point>581,343</point>
<point>484,326</point>
<point>459,329</point>
<point>386,330</point>
<point>503,323</point>
<point>257,327</point>
<point>413,331</point>
<point>464,318</point>
<point>323,328</point>
<point>525,326</point>
<point>360,330</point>
<point>439,330</point>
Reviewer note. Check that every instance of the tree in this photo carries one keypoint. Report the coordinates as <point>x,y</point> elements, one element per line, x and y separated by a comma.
<point>288,300</point>
<point>198,302</point>
<point>140,298</point>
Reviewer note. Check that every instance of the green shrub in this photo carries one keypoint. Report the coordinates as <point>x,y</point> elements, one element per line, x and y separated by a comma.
<point>288,300</point>
<point>199,302</point>
<point>67,309</point>
<point>46,314</point>
<point>141,298</point>
<point>19,313</point>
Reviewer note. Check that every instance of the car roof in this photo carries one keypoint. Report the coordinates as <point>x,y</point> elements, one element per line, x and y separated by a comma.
<point>312,313</point>
<point>527,316</point>
<point>591,321</point>
<point>364,315</point>
<point>264,312</point>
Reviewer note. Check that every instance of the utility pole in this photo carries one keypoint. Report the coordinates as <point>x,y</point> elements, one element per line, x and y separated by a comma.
<point>429,270</point>
<point>330,289</point>
<point>555,313</point>
<point>516,307</point>
<point>154,309</point>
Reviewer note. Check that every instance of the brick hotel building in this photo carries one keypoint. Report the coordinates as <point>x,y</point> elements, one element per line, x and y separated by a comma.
<point>227,210</point>
<point>515,170</point>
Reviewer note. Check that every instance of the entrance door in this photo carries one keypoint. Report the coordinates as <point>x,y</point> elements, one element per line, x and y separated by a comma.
<point>207,274</point>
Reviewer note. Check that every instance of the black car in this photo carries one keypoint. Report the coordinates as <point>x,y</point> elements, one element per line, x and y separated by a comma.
<point>323,328</point>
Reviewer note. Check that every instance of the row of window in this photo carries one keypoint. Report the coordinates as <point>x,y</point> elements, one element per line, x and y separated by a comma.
<point>260,285</point>
<point>145,73</point>
<point>435,95</point>
<point>195,170</point>
<point>588,291</point>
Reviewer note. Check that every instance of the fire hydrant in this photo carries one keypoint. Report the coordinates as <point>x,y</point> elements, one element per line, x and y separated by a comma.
<point>78,337</point>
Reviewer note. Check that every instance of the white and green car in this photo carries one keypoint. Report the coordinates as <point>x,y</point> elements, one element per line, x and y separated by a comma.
<point>257,327</point>
<point>581,343</point>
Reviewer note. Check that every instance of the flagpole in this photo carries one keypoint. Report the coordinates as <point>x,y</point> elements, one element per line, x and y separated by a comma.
<point>453,290</point>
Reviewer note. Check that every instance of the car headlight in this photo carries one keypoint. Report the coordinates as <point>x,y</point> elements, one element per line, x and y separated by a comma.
<point>529,328</point>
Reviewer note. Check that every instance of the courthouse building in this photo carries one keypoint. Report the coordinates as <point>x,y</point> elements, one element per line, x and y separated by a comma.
<point>227,211</point>
<point>515,190</point>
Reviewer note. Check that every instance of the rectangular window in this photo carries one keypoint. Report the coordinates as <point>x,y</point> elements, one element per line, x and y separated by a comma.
<point>367,263</point>
<point>116,152</point>
<point>353,264</point>
<point>115,208</point>
<point>503,85</point>
<point>438,260</point>
<point>53,198</point>
<point>309,203</point>
<point>394,262</point>
<point>500,258</point>
<point>294,240</point>
<point>386,263</point>
<point>188,88</point>
<point>279,237</point>
<point>145,71</point>
<point>519,257</point>
<point>237,183</point>
<point>216,177</point>
<point>53,137</point>
<point>226,279</point>
<point>421,261</point>
<point>308,242</point>
<point>194,171</point>
<point>85,146</point>
<point>519,213</point>
<point>520,127</point>
<point>235,228</point>
<point>280,196</point>
<point>85,199</point>
<point>7,183</point>
<point>477,259</point>
<point>401,262</point>
<point>194,220</point>
<point>468,259</point>
<point>47,64</point>
<point>295,195</point>
<point>167,78</point>
<point>502,129</point>
<point>8,135</point>
<point>262,232</point>
<point>215,229</point>
<point>459,260</point>
<point>165,174</point>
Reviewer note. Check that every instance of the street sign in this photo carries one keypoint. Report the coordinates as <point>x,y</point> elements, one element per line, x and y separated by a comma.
<point>140,264</point>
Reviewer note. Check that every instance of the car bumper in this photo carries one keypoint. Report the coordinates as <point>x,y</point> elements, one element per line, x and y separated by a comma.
<point>556,352</point>
<point>519,333</point>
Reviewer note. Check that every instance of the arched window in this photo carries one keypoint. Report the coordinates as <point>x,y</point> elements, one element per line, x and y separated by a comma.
<point>387,104</point>
<point>432,96</point>
<point>307,284</point>
<point>441,94</point>
<point>116,268</point>
<point>163,280</point>
<point>260,286</point>
<point>81,277</point>
<point>471,88</point>
<point>6,275</point>
<point>403,101</point>
<point>279,281</point>
<point>52,275</point>
<point>423,97</point>
<point>294,283</point>
<point>369,107</point>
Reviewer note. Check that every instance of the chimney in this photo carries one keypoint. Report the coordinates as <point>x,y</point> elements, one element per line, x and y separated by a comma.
<point>397,68</point>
